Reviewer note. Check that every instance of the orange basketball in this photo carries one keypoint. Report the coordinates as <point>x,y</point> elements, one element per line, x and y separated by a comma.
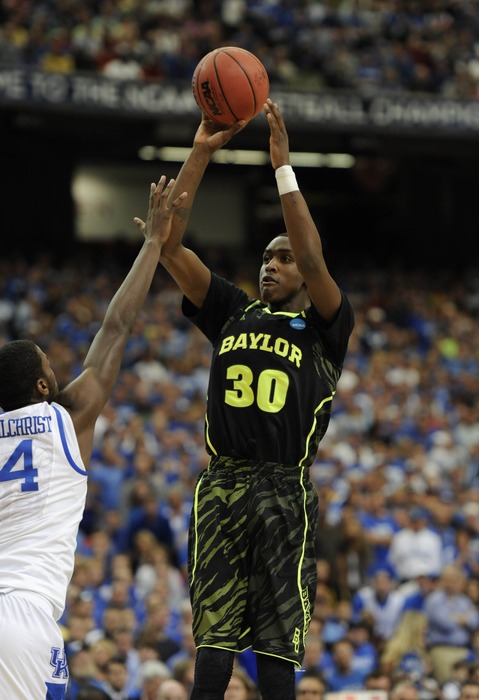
<point>230,84</point>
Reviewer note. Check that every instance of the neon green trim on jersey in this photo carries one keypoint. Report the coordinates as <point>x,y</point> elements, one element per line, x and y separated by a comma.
<point>313,427</point>
<point>195,516</point>
<point>254,303</point>
<point>276,656</point>
<point>245,633</point>
<point>303,598</point>
<point>207,436</point>
<point>291,314</point>
<point>218,646</point>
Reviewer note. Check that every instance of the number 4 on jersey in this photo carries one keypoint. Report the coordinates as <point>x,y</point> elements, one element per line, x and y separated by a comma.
<point>28,473</point>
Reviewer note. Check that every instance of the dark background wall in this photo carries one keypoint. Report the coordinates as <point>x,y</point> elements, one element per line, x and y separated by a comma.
<point>412,201</point>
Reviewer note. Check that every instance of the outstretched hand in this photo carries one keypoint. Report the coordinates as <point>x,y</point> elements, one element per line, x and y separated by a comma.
<point>278,140</point>
<point>160,215</point>
<point>214,135</point>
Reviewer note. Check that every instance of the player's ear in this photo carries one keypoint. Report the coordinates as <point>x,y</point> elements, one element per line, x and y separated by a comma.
<point>42,387</point>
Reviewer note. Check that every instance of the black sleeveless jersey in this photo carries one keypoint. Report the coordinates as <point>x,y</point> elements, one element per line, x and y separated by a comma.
<point>273,375</point>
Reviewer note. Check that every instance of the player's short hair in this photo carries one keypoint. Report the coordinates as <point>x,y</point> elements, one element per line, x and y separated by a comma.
<point>20,368</point>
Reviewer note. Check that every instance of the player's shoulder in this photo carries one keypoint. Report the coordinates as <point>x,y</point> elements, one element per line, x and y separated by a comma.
<point>226,294</point>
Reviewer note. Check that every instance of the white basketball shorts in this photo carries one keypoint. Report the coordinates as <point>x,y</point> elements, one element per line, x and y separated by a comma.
<point>32,657</point>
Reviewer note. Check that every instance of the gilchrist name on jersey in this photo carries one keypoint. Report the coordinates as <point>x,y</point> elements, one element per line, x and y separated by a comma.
<point>27,425</point>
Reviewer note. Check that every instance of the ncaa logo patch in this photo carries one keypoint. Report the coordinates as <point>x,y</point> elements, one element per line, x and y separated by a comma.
<point>299,324</point>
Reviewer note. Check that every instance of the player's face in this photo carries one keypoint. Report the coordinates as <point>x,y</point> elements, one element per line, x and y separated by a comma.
<point>49,377</point>
<point>281,285</point>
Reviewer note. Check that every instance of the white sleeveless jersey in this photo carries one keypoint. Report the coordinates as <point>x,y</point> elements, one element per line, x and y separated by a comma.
<point>43,485</point>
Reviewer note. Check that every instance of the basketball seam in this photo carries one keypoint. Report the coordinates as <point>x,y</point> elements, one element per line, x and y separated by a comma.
<point>246,76</point>
<point>197,88</point>
<point>221,84</point>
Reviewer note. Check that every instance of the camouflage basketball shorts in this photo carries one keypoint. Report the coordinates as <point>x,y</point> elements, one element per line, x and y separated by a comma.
<point>252,566</point>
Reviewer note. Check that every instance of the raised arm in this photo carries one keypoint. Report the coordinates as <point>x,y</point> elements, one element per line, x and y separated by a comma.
<point>189,272</point>
<point>302,231</point>
<point>86,395</point>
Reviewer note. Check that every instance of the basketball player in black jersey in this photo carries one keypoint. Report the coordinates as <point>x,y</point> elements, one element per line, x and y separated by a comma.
<point>275,366</point>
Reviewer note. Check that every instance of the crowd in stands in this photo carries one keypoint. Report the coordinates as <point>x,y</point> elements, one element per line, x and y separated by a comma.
<point>425,46</point>
<point>397,477</point>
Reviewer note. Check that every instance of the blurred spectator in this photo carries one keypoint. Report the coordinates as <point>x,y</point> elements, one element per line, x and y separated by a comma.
<point>78,633</point>
<point>342,675</point>
<point>114,619</point>
<point>157,575</point>
<point>171,689</point>
<point>144,479</point>
<point>451,689</point>
<point>57,55</point>
<point>336,622</point>
<point>177,509</point>
<point>379,604</point>
<point>157,628</point>
<point>83,673</point>
<point>379,525</point>
<point>405,652</point>
<point>116,681</point>
<point>365,657</point>
<point>354,555</point>
<point>404,690</point>
<point>310,686</point>
<point>451,618</point>
<point>147,516</point>
<point>316,658</point>
<point>102,652</point>
<point>416,592</point>
<point>124,64</point>
<point>416,549</point>
<point>378,680</point>
<point>127,651</point>
<point>183,672</point>
<point>241,686</point>
<point>464,550</point>
<point>151,676</point>
<point>473,656</point>
<point>469,690</point>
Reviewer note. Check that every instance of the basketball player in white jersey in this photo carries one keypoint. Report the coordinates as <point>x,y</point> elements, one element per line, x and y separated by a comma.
<point>45,448</point>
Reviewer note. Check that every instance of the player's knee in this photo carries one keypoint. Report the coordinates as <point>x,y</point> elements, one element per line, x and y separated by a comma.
<point>275,678</point>
<point>213,671</point>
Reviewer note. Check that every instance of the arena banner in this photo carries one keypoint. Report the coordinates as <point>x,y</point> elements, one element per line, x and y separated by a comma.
<point>90,92</point>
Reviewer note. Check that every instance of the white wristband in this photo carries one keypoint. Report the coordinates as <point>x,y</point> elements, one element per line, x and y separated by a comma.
<point>286,179</point>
